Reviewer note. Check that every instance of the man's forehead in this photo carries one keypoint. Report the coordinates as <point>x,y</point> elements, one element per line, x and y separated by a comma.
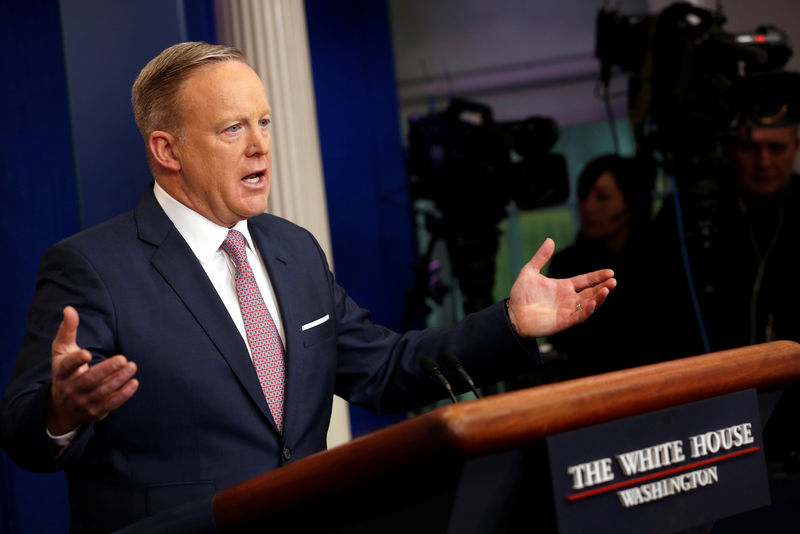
<point>229,84</point>
<point>778,134</point>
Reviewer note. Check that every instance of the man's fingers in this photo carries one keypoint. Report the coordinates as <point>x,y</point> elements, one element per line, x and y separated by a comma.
<point>100,408</point>
<point>67,331</point>
<point>70,363</point>
<point>100,379</point>
<point>591,298</point>
<point>113,382</point>
<point>588,280</point>
<point>543,255</point>
<point>120,396</point>
<point>81,393</point>
<point>91,394</point>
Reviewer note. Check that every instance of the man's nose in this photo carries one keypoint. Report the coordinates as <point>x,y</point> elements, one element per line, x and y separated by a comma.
<point>258,143</point>
<point>763,156</point>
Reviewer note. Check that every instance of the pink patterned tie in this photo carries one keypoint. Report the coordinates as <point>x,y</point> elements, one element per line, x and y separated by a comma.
<point>262,335</point>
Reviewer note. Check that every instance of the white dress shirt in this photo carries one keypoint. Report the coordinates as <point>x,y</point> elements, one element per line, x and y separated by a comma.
<point>205,239</point>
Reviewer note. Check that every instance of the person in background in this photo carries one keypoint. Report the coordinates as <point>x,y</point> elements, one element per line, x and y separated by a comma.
<point>741,242</point>
<point>615,207</point>
<point>758,226</point>
<point>740,238</point>
<point>753,295</point>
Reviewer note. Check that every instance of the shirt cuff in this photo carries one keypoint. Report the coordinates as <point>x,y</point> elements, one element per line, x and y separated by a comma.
<point>64,440</point>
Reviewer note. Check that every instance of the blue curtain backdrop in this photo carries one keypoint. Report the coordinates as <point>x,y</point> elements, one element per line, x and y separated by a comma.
<point>70,157</point>
<point>37,184</point>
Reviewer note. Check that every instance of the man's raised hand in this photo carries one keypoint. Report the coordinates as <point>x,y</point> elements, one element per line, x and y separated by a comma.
<point>81,393</point>
<point>539,306</point>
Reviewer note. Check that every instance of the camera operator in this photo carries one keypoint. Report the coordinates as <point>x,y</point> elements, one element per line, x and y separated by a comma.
<point>744,268</point>
<point>720,115</point>
<point>766,221</point>
<point>764,160</point>
<point>753,297</point>
<point>742,261</point>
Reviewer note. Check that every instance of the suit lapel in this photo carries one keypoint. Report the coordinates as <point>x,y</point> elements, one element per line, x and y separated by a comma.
<point>176,263</point>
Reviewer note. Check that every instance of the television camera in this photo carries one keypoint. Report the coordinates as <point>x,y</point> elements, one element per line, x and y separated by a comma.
<point>471,167</point>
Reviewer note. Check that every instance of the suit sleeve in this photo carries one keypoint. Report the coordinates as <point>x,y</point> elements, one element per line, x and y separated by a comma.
<point>65,278</point>
<point>379,369</point>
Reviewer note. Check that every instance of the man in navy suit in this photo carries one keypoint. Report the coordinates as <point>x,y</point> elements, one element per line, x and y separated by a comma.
<point>135,375</point>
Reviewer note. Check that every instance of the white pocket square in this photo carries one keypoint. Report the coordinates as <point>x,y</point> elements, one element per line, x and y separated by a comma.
<point>318,322</point>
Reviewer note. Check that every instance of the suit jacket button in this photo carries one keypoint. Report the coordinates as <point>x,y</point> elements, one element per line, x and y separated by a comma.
<point>287,453</point>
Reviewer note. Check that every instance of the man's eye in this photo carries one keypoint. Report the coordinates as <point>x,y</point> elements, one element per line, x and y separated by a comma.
<point>235,128</point>
<point>263,123</point>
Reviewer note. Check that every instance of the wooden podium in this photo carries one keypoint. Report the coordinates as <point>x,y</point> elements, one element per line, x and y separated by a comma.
<point>478,466</point>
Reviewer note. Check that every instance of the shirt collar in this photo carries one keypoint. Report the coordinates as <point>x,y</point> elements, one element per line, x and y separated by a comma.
<point>203,236</point>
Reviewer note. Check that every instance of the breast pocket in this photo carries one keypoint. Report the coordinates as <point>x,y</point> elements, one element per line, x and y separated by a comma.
<point>317,331</point>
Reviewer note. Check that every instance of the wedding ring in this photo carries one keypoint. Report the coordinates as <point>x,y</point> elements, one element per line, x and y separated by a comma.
<point>578,307</point>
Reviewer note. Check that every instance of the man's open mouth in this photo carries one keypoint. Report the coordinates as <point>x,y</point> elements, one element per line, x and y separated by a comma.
<point>254,178</point>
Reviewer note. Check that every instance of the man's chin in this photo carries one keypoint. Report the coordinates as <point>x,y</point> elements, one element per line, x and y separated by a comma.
<point>255,208</point>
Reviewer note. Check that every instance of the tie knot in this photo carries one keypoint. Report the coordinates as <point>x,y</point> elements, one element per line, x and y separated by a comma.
<point>234,245</point>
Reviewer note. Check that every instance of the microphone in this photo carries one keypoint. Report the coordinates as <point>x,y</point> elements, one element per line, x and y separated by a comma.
<point>430,367</point>
<point>454,363</point>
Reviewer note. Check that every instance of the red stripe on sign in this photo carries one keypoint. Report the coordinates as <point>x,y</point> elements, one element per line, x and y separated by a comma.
<point>651,476</point>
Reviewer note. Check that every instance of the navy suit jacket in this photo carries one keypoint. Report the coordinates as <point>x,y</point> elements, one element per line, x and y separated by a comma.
<point>199,421</point>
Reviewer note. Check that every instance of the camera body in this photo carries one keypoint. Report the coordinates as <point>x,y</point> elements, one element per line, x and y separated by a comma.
<point>471,167</point>
<point>694,90</point>
<point>692,83</point>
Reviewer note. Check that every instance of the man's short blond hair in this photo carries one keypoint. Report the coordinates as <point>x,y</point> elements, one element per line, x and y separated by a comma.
<point>155,92</point>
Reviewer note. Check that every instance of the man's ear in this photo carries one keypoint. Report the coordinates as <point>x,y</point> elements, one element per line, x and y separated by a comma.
<point>162,146</point>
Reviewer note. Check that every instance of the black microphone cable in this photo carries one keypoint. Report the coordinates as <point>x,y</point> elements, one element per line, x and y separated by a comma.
<point>454,363</point>
<point>430,367</point>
